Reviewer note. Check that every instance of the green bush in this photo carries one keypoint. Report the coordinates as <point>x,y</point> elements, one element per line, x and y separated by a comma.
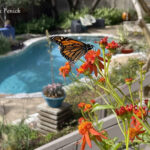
<point>36,25</point>
<point>21,137</point>
<point>122,71</point>
<point>4,45</point>
<point>112,16</point>
<point>66,18</point>
<point>147,18</point>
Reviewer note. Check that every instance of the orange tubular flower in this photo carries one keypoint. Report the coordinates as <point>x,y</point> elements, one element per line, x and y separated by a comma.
<point>112,46</point>
<point>108,55</point>
<point>87,107</point>
<point>80,120</point>
<point>92,57</point>
<point>86,130</point>
<point>139,112</point>
<point>81,105</point>
<point>92,101</point>
<point>129,81</point>
<point>64,70</point>
<point>135,131</point>
<point>84,69</point>
<point>102,42</point>
<point>102,80</point>
<point>124,110</point>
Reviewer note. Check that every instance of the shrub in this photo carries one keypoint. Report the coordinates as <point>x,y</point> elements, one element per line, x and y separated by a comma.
<point>4,45</point>
<point>122,71</point>
<point>112,16</point>
<point>17,136</point>
<point>65,18</point>
<point>36,25</point>
<point>147,18</point>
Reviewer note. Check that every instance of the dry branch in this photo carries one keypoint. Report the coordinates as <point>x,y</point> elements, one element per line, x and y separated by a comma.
<point>145,6</point>
<point>141,22</point>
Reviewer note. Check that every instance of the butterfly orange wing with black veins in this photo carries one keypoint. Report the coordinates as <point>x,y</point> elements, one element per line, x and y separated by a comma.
<point>71,49</point>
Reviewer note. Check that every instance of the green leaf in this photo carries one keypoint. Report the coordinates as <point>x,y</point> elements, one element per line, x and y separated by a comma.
<point>100,107</point>
<point>116,146</point>
<point>99,125</point>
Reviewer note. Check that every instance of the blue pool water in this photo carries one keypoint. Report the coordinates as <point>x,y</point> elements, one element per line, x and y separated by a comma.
<point>29,71</point>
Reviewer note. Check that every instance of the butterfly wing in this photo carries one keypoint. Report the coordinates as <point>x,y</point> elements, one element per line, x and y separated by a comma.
<point>71,49</point>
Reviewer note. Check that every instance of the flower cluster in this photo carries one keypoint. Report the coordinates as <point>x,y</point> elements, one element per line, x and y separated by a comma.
<point>103,42</point>
<point>93,60</point>
<point>128,112</point>
<point>129,109</point>
<point>64,70</point>
<point>87,130</point>
<point>112,46</point>
<point>133,116</point>
<point>124,110</point>
<point>86,107</point>
<point>135,130</point>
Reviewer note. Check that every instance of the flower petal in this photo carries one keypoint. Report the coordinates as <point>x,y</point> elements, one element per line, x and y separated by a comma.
<point>88,139</point>
<point>95,70</point>
<point>98,52</point>
<point>83,143</point>
<point>94,132</point>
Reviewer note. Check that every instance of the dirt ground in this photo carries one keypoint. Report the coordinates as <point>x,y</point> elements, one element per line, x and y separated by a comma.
<point>15,108</point>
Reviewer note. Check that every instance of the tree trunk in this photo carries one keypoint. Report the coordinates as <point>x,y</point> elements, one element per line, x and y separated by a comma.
<point>138,4</point>
<point>141,22</point>
<point>73,5</point>
<point>54,9</point>
<point>94,5</point>
<point>70,4</point>
<point>144,6</point>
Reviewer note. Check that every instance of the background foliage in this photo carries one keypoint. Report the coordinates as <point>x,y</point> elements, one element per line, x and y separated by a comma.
<point>4,45</point>
<point>36,25</point>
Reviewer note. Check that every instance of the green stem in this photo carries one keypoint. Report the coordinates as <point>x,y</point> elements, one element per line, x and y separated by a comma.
<point>91,118</point>
<point>84,115</point>
<point>103,49</point>
<point>125,135</point>
<point>121,92</point>
<point>107,67</point>
<point>112,91</point>
<point>111,109</point>
<point>100,147</point>
<point>141,86</point>
<point>129,85</point>
<point>128,132</point>
<point>141,121</point>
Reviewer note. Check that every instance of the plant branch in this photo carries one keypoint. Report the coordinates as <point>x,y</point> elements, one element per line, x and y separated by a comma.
<point>144,6</point>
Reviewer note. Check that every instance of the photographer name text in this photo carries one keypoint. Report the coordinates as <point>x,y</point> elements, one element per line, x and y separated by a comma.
<point>10,11</point>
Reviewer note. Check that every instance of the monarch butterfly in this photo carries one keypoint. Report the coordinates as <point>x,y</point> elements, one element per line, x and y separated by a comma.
<point>71,49</point>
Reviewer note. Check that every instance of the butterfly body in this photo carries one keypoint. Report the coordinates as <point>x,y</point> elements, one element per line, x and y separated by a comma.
<point>71,49</point>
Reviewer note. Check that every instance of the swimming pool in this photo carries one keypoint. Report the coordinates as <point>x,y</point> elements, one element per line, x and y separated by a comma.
<point>29,71</point>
